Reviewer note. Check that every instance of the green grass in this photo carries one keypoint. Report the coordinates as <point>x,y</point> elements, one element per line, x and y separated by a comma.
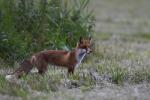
<point>12,88</point>
<point>119,75</point>
<point>107,60</point>
<point>102,36</point>
<point>84,80</point>
<point>139,76</point>
<point>144,36</point>
<point>136,37</point>
<point>114,72</point>
<point>51,83</point>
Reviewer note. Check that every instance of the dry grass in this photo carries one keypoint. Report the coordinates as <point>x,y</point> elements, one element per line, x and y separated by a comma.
<point>115,60</point>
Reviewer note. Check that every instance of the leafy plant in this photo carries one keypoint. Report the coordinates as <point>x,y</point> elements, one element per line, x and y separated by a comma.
<point>28,26</point>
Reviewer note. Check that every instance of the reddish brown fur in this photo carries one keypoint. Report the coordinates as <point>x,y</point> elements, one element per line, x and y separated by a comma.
<point>56,57</point>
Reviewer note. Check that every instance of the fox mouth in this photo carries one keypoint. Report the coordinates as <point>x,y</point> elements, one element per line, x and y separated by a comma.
<point>88,52</point>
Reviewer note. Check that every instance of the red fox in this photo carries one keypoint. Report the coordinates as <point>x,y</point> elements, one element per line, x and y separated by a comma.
<point>68,59</point>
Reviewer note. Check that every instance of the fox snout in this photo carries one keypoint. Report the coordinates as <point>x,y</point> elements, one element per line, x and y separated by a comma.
<point>88,51</point>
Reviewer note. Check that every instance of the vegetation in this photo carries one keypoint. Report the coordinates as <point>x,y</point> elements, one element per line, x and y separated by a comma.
<point>108,64</point>
<point>118,75</point>
<point>28,26</point>
<point>118,66</point>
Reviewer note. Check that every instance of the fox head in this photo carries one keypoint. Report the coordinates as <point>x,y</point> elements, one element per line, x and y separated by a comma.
<point>84,45</point>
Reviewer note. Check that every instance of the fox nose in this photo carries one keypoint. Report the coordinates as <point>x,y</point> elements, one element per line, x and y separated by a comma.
<point>89,51</point>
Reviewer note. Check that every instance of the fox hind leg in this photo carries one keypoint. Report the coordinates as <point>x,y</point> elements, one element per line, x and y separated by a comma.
<point>42,67</point>
<point>26,67</point>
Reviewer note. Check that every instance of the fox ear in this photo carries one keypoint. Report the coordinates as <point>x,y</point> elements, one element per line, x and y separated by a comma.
<point>80,39</point>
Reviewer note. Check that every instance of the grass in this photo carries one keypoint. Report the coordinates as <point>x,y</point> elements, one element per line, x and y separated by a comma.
<point>136,37</point>
<point>119,75</point>
<point>116,63</point>
<point>144,36</point>
<point>48,84</point>
<point>139,76</point>
<point>102,36</point>
<point>11,89</point>
<point>112,72</point>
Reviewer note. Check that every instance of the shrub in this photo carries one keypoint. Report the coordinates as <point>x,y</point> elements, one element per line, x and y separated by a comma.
<point>28,26</point>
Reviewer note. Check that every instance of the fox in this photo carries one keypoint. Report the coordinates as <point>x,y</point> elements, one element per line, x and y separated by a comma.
<point>68,59</point>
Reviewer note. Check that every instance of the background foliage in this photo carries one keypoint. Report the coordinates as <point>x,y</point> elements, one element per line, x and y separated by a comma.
<point>28,26</point>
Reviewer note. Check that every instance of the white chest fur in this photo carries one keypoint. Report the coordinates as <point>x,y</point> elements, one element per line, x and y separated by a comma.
<point>79,56</point>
